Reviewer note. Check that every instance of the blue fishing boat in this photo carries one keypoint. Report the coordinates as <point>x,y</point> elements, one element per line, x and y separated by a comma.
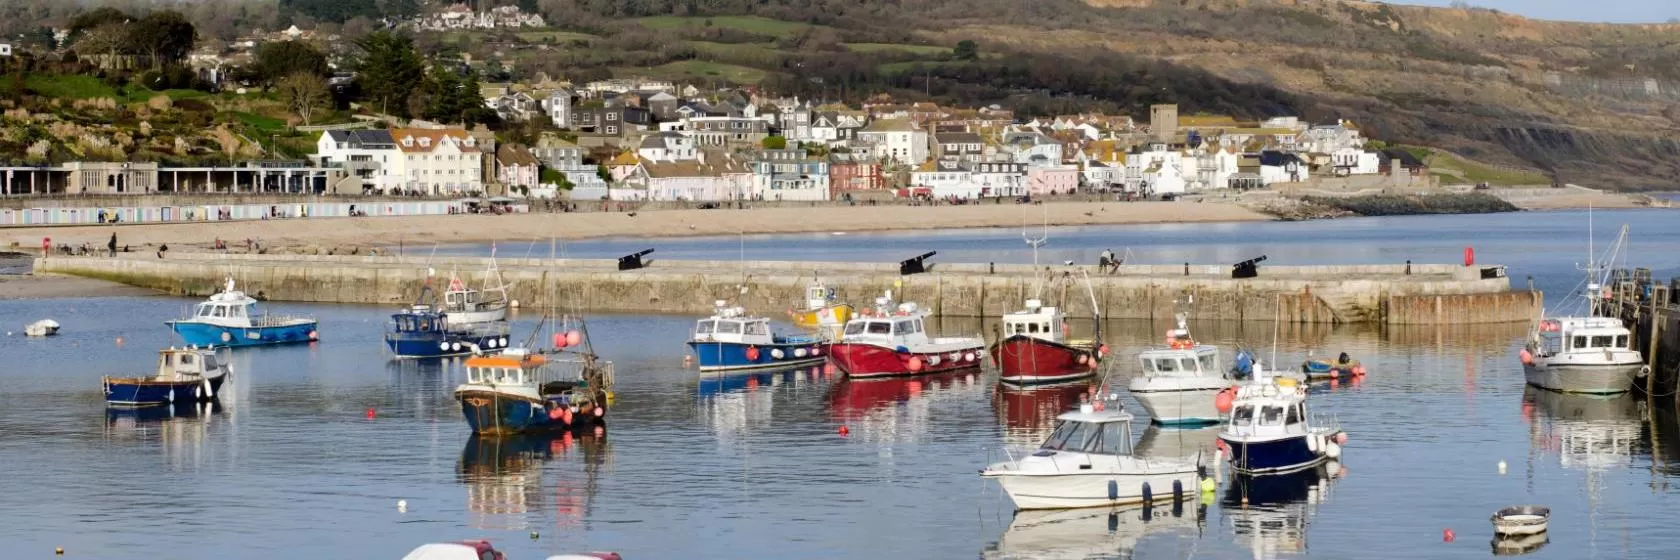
<point>520,391</point>
<point>1343,367</point>
<point>421,331</point>
<point>190,374</point>
<point>1269,430</point>
<point>731,340</point>
<point>231,318</point>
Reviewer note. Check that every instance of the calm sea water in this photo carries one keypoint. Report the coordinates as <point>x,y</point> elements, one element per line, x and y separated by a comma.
<point>290,466</point>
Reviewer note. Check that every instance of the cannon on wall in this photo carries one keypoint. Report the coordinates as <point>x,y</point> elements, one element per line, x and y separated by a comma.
<point>633,261</point>
<point>914,265</point>
<point>1247,269</point>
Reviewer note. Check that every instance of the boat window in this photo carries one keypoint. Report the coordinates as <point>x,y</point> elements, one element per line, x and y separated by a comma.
<point>729,327</point>
<point>705,327</point>
<point>919,325</point>
<point>474,375</point>
<point>236,311</point>
<point>1601,341</point>
<point>1550,344</point>
<point>425,324</point>
<point>854,328</point>
<point>1116,439</point>
<point>1271,415</point>
<point>221,311</point>
<point>186,359</point>
<point>1188,364</point>
<point>876,327</point>
<point>203,310</point>
<point>905,327</point>
<point>1242,416</point>
<point>1209,361</point>
<point>1068,435</point>
<point>1166,364</point>
<point>1294,415</point>
<point>168,359</point>
<point>1621,341</point>
<point>1579,342</point>
<point>1148,365</point>
<point>501,375</point>
<point>1032,328</point>
<point>758,327</point>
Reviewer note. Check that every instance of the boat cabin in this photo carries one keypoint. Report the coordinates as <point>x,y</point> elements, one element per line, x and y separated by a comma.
<point>730,324</point>
<point>1036,321</point>
<point>420,319</point>
<point>901,327</point>
<point>512,367</point>
<point>1195,361</point>
<point>463,299</point>
<point>226,312</point>
<point>1269,409</point>
<point>818,296</point>
<point>1568,335</point>
<point>1090,431</point>
<point>175,364</point>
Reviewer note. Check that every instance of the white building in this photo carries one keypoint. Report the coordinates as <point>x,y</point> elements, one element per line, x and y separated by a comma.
<point>1282,167</point>
<point>1330,139</point>
<point>1155,168</point>
<point>789,175</point>
<point>439,161</point>
<point>964,179</point>
<point>1350,161</point>
<point>5,49</point>
<point>558,105</point>
<point>370,155</point>
<point>899,140</point>
<point>668,146</point>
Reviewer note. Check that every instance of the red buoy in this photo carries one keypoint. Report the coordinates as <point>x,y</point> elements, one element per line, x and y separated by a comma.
<point>915,363</point>
<point>844,430</point>
<point>1447,535</point>
<point>752,353</point>
<point>1469,256</point>
<point>370,413</point>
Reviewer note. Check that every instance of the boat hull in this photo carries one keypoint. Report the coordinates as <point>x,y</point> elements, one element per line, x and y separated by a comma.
<point>1287,454</point>
<point>440,345</point>
<point>204,334</point>
<point>1082,490</point>
<point>1180,407</point>
<point>1316,370</point>
<point>1600,380</point>
<point>734,356</point>
<point>494,413</point>
<point>870,360</point>
<point>1024,360</point>
<point>145,392</point>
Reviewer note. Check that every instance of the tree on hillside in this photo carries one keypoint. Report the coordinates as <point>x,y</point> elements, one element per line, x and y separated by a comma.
<point>774,142</point>
<point>98,18</point>
<point>282,59</point>
<point>303,92</point>
<point>966,49</point>
<point>452,97</point>
<point>108,39</point>
<point>165,36</point>
<point>389,69</point>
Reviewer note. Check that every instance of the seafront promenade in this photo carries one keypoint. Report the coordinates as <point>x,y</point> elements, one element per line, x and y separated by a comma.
<point>1388,294</point>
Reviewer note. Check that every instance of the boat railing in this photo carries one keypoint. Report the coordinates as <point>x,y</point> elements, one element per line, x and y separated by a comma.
<point>1325,421</point>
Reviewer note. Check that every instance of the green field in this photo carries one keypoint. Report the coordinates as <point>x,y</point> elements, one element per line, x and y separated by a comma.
<point>1472,172</point>
<point>902,67</point>
<point>68,87</point>
<point>711,49</point>
<point>697,70</point>
<point>881,47</point>
<point>750,24</point>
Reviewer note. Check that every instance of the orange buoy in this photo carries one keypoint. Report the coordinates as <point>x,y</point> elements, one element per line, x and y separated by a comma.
<point>1447,535</point>
<point>915,363</point>
<point>1102,350</point>
<point>554,413</point>
<point>1341,438</point>
<point>1224,400</point>
<point>370,413</point>
<point>844,430</point>
<point>573,338</point>
<point>1524,355</point>
<point>752,353</point>
<point>559,340</point>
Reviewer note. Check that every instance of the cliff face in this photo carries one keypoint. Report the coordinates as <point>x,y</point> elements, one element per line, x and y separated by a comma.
<point>1593,104</point>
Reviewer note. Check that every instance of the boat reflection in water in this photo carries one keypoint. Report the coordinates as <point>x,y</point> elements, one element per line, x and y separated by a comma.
<point>1593,432</point>
<point>1178,442</point>
<point>504,478</point>
<point>898,408</point>
<point>181,428</point>
<point>1029,414</point>
<point>1274,521</point>
<point>734,401</point>
<point>1092,532</point>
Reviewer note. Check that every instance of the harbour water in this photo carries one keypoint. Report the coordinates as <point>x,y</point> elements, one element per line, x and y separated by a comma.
<point>292,466</point>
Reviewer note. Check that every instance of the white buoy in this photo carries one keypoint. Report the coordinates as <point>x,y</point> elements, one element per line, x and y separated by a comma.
<point>402,506</point>
<point>514,304</point>
<point>1502,466</point>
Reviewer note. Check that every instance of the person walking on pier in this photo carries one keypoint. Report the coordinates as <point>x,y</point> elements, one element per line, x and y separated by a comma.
<point>1104,260</point>
<point>112,245</point>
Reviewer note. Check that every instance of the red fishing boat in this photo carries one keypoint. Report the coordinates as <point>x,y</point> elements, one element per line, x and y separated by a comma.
<point>1036,349</point>
<point>889,340</point>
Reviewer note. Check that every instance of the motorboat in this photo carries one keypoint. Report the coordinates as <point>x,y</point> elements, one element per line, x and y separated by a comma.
<point>422,331</point>
<point>1270,431</point>
<point>821,311</point>
<point>521,391</point>
<point>184,375</point>
<point>1343,367</point>
<point>1036,349</point>
<point>231,318</point>
<point>1585,354</point>
<point>731,340</point>
<point>1087,461</point>
<point>468,308</point>
<point>44,327</point>
<point>1179,382</point>
<point>889,340</point>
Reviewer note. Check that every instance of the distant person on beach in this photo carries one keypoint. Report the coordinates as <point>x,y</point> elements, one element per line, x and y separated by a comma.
<point>162,249</point>
<point>112,245</point>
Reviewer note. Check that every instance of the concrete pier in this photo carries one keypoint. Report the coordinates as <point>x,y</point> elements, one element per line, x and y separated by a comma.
<point>1382,294</point>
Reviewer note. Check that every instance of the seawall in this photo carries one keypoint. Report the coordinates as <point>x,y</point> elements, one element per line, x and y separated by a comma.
<point>1429,294</point>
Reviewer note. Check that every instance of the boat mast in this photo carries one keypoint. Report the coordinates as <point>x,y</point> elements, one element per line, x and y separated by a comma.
<point>1038,241</point>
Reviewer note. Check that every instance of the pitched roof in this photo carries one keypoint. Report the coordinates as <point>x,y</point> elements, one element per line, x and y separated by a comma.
<point>624,158</point>
<point>428,139</point>
<point>514,154</point>
<point>958,138</point>
<point>890,125</point>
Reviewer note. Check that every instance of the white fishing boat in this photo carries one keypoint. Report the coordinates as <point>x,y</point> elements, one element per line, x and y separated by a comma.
<point>44,327</point>
<point>1087,462</point>
<point>1179,382</point>
<point>1270,431</point>
<point>468,308</point>
<point>1584,354</point>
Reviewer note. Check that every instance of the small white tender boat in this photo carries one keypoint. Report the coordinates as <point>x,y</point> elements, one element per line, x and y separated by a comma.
<point>44,327</point>
<point>1087,462</point>
<point>1521,520</point>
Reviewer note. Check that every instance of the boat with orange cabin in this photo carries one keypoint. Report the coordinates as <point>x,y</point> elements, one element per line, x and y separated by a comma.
<point>520,390</point>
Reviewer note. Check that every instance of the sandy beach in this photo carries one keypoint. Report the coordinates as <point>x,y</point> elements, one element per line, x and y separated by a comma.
<point>389,232</point>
